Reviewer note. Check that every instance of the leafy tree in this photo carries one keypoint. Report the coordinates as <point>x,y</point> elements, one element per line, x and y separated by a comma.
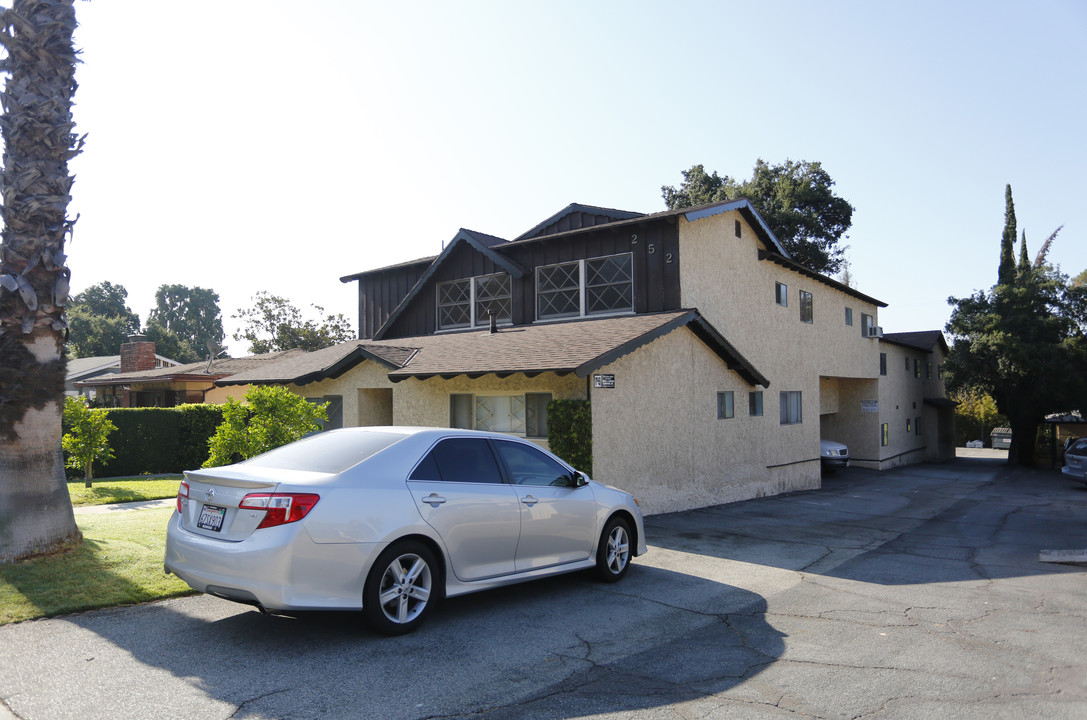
<point>271,416</point>
<point>87,439</point>
<point>976,414</point>
<point>99,320</point>
<point>1080,279</point>
<point>185,320</point>
<point>796,199</point>
<point>273,324</point>
<point>35,510</point>
<point>1022,343</point>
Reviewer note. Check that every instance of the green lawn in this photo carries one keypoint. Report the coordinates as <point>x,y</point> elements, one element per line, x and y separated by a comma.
<point>121,490</point>
<point>118,563</point>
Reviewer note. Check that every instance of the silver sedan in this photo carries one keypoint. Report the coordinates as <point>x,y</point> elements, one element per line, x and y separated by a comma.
<point>389,520</point>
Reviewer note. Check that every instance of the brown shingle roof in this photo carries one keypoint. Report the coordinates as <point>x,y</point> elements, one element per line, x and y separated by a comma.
<point>563,347</point>
<point>219,368</point>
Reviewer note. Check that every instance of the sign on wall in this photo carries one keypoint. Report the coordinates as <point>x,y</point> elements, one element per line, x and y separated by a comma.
<point>870,406</point>
<point>604,381</point>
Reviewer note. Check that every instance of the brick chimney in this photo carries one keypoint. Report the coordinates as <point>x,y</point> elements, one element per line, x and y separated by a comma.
<point>138,353</point>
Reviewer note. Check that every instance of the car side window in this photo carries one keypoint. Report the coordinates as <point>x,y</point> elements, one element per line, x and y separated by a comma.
<point>459,460</point>
<point>528,466</point>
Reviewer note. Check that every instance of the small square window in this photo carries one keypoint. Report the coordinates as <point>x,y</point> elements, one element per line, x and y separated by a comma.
<point>781,295</point>
<point>849,317</point>
<point>726,405</point>
<point>754,403</point>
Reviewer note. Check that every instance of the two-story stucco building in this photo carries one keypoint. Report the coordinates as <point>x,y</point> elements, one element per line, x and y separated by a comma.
<point>712,361</point>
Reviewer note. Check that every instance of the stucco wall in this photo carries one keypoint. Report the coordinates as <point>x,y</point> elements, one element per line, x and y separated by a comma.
<point>723,277</point>
<point>901,399</point>
<point>367,374</point>
<point>657,434</point>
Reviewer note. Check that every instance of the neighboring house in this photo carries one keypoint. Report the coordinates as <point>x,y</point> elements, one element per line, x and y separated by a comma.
<point>82,369</point>
<point>141,383</point>
<point>713,362</point>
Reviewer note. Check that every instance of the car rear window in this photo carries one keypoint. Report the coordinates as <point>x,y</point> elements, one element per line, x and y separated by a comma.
<point>326,452</point>
<point>1079,447</point>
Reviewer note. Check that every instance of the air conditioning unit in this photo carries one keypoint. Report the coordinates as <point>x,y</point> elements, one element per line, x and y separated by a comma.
<point>874,331</point>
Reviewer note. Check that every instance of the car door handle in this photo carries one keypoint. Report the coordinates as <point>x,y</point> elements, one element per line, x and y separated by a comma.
<point>433,500</point>
<point>529,500</point>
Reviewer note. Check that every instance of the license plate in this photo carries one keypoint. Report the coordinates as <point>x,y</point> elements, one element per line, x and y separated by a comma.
<point>211,518</point>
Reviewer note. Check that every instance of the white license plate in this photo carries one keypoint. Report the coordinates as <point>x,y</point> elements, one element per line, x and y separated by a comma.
<point>211,518</point>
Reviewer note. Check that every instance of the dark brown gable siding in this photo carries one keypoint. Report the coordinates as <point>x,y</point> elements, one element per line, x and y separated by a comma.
<point>420,317</point>
<point>654,246</point>
<point>655,250</point>
<point>381,293</point>
<point>574,221</point>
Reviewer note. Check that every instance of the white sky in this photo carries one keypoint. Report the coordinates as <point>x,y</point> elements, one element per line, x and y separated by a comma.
<point>266,145</point>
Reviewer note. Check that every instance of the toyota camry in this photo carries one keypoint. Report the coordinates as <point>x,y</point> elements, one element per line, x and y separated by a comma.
<point>389,520</point>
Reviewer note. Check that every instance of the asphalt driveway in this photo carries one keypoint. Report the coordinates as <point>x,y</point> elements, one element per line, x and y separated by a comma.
<point>915,593</point>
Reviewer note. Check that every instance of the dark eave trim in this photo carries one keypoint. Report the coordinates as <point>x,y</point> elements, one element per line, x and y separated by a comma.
<point>358,355</point>
<point>807,272</point>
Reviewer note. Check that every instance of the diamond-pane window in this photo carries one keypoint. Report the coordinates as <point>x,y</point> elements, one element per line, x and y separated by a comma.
<point>558,290</point>
<point>454,304</point>
<point>500,413</point>
<point>493,295</point>
<point>609,284</point>
<point>469,302</point>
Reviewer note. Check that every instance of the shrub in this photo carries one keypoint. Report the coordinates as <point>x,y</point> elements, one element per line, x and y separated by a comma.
<point>87,436</point>
<point>570,432</point>
<point>272,416</point>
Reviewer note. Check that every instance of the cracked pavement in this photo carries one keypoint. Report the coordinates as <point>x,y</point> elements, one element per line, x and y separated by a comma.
<point>913,593</point>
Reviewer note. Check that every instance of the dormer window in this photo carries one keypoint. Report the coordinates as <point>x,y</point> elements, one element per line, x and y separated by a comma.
<point>597,286</point>
<point>468,303</point>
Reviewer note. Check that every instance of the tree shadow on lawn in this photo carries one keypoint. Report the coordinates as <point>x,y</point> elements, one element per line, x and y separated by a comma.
<point>536,649</point>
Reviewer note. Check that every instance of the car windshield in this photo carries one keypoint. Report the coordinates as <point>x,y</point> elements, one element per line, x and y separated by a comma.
<point>326,452</point>
<point>1079,447</point>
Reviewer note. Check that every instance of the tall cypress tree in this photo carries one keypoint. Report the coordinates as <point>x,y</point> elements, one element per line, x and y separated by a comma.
<point>1006,273</point>
<point>1024,259</point>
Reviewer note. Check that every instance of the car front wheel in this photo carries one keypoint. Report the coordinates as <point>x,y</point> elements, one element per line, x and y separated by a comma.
<point>401,588</point>
<point>613,553</point>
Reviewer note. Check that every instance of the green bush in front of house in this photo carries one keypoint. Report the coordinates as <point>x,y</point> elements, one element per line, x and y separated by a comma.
<point>154,441</point>
<point>570,432</point>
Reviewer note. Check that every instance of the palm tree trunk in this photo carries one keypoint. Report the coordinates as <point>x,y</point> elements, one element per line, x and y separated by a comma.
<point>35,510</point>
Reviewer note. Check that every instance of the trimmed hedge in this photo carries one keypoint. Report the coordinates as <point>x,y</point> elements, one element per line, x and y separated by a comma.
<point>153,441</point>
<point>570,432</point>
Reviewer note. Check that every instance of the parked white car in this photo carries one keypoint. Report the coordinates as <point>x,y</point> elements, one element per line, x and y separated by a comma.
<point>833,455</point>
<point>389,520</point>
<point>1075,460</point>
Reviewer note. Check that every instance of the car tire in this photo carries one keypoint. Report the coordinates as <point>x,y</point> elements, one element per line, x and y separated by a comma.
<point>613,551</point>
<point>401,589</point>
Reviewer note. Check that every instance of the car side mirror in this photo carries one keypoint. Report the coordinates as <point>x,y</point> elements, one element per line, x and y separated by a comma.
<point>579,479</point>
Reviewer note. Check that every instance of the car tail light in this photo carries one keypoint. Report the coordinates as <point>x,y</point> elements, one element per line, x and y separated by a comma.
<point>182,494</point>
<point>282,508</point>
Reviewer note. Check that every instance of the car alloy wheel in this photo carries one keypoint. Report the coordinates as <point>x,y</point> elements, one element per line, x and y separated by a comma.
<point>613,554</point>
<point>400,590</point>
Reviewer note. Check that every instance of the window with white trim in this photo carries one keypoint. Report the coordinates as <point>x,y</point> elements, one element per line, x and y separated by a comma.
<point>594,286</point>
<point>469,302</point>
<point>515,414</point>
